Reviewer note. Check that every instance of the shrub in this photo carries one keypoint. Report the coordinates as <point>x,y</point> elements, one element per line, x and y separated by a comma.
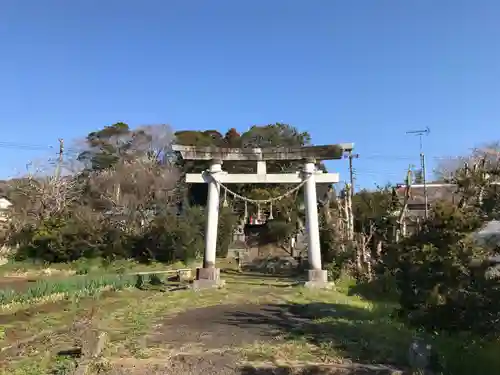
<point>57,240</point>
<point>169,237</point>
<point>172,237</point>
<point>439,289</point>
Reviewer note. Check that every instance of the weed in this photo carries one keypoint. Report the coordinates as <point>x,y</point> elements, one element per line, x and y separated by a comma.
<point>63,366</point>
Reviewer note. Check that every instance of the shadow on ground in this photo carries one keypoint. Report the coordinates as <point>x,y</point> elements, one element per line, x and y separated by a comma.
<point>381,290</point>
<point>221,366</point>
<point>310,370</point>
<point>364,336</point>
<point>289,283</point>
<point>256,274</point>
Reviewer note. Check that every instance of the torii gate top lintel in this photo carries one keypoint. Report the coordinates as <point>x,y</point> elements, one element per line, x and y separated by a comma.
<point>324,152</point>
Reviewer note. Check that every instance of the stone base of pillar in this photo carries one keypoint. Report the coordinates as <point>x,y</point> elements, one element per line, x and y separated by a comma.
<point>318,279</point>
<point>208,278</point>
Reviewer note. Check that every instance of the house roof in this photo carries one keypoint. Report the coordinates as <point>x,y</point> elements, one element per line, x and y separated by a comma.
<point>434,194</point>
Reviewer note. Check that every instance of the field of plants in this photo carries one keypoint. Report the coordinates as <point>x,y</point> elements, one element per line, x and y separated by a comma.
<point>73,286</point>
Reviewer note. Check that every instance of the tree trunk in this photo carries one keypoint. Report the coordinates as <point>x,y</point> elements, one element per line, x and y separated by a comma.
<point>402,214</point>
<point>359,261</point>
<point>349,214</point>
<point>379,249</point>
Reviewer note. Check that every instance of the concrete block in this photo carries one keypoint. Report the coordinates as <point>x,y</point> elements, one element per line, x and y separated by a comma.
<point>207,278</point>
<point>318,279</point>
<point>208,273</point>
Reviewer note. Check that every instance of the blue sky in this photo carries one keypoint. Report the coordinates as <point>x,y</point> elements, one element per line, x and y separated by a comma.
<point>362,71</point>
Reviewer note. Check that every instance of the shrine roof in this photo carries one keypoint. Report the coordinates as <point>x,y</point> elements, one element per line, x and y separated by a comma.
<point>323,152</point>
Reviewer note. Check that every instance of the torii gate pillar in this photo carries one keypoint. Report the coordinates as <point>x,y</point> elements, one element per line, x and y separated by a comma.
<point>316,276</point>
<point>213,216</point>
<point>209,275</point>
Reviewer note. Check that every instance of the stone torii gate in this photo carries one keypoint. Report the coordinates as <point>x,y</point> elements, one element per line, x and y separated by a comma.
<point>209,275</point>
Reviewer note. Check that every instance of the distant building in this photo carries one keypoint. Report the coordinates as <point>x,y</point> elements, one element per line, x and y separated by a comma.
<point>490,232</point>
<point>416,204</point>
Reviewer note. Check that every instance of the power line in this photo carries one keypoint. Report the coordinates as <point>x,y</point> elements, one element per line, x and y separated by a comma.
<point>379,173</point>
<point>353,172</point>
<point>24,147</point>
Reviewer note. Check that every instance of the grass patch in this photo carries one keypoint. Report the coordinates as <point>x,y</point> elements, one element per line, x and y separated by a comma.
<point>46,364</point>
<point>52,317</point>
<point>289,351</point>
<point>325,326</point>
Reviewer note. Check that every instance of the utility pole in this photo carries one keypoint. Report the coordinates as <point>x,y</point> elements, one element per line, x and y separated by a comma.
<point>60,159</point>
<point>351,171</point>
<point>420,133</point>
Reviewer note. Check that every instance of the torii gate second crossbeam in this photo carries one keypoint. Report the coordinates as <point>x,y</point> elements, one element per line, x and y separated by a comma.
<point>209,275</point>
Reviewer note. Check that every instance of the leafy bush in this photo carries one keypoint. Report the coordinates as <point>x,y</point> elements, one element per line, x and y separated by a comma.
<point>58,240</point>
<point>169,237</point>
<point>172,237</point>
<point>439,289</point>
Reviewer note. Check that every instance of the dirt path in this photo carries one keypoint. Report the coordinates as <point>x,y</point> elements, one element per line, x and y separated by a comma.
<point>214,327</point>
<point>206,341</point>
<point>200,341</point>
